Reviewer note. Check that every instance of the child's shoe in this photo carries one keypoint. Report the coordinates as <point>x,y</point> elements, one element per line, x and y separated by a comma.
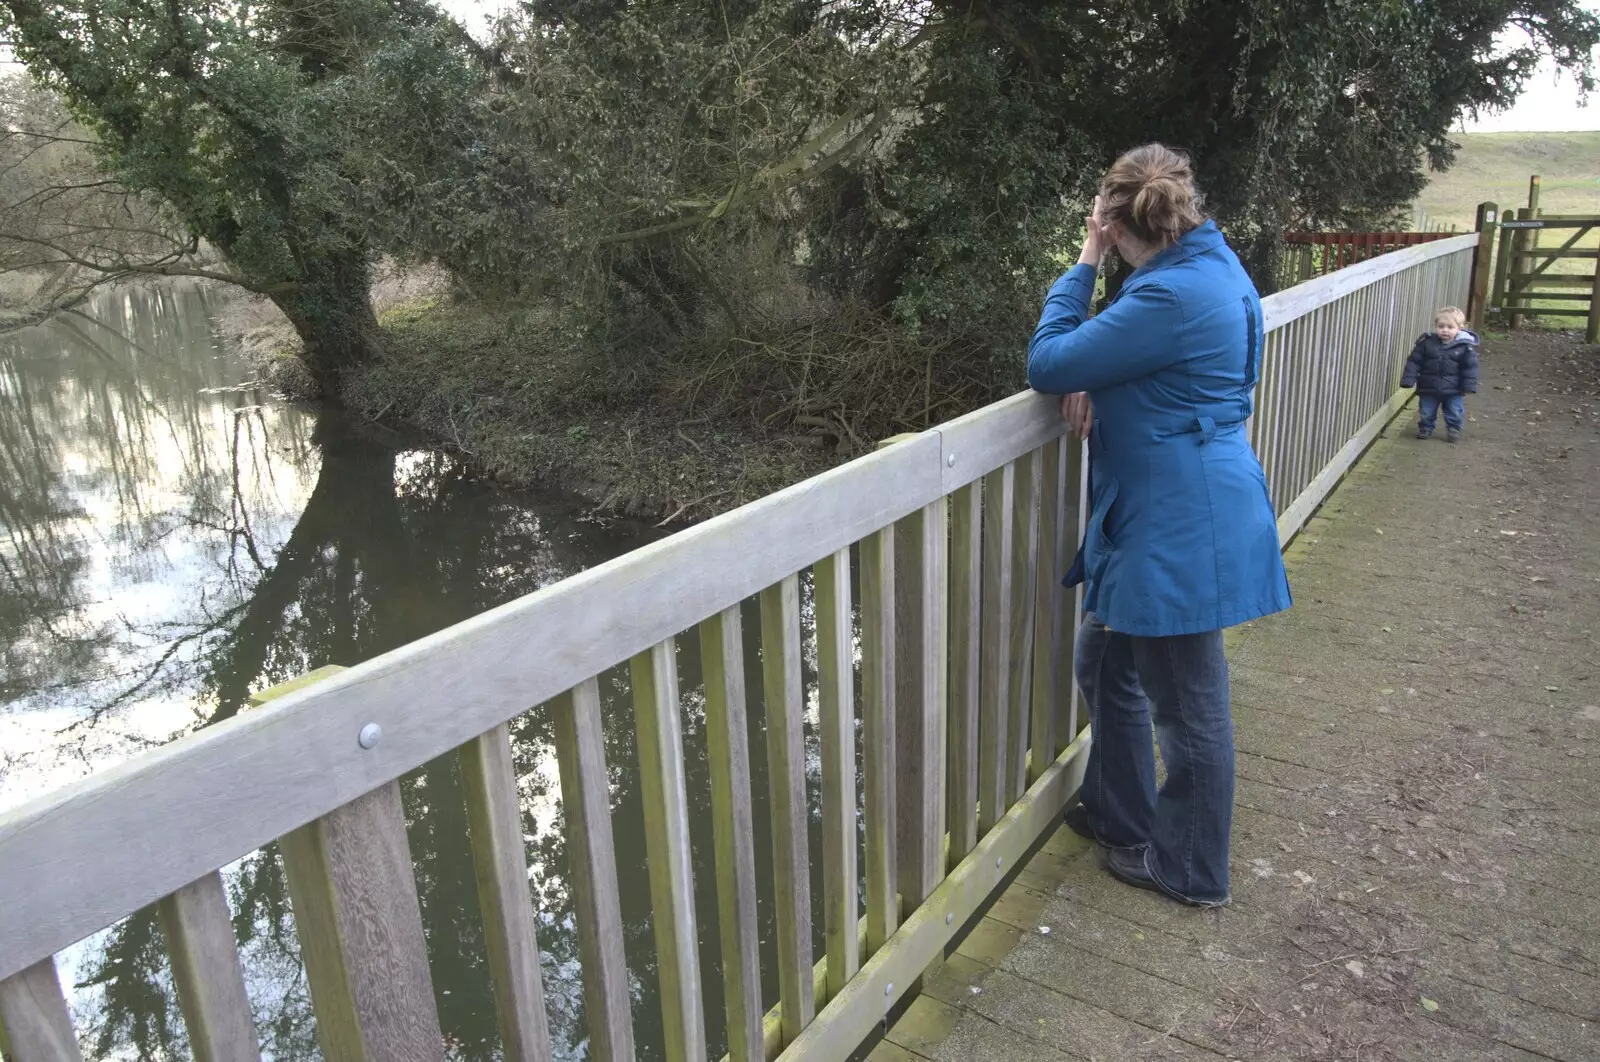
<point>1453,434</point>
<point>1424,433</point>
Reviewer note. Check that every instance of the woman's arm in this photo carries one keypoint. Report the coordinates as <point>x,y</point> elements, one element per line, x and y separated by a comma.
<point>1133,337</point>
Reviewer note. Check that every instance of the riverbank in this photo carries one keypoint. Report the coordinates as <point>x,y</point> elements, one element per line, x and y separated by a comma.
<point>530,406</point>
<point>668,436</point>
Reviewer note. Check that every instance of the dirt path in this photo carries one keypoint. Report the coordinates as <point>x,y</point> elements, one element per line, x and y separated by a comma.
<point>1417,842</point>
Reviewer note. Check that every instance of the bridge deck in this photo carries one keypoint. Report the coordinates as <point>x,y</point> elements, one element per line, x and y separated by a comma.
<point>1417,846</point>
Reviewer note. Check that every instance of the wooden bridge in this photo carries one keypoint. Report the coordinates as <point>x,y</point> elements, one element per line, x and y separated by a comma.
<point>934,573</point>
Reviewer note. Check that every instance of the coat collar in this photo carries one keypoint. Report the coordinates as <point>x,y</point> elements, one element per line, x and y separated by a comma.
<point>1198,240</point>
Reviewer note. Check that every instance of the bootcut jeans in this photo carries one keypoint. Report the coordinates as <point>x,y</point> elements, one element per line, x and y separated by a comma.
<point>1184,827</point>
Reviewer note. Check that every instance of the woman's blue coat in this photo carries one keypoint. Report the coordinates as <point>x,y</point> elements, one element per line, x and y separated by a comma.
<point>1181,536</point>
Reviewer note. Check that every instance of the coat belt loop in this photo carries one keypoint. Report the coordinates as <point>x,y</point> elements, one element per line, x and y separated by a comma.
<point>1207,427</point>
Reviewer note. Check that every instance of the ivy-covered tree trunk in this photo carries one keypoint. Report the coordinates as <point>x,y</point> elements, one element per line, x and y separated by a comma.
<point>331,310</point>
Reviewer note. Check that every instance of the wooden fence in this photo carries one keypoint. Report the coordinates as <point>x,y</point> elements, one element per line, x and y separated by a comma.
<point>1314,254</point>
<point>971,741</point>
<point>1527,277</point>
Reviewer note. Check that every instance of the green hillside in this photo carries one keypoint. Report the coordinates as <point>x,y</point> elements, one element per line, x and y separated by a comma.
<point>1495,167</point>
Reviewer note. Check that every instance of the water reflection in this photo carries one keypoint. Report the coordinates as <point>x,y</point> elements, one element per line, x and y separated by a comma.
<point>174,540</point>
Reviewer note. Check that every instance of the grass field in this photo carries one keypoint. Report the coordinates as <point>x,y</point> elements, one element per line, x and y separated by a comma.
<point>1495,167</point>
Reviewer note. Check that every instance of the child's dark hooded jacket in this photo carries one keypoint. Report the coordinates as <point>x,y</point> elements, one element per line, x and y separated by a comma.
<point>1439,368</point>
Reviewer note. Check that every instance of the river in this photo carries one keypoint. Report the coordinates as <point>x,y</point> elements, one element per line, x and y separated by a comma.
<point>175,539</point>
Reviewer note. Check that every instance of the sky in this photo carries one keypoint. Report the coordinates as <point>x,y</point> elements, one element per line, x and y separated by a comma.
<point>1548,104</point>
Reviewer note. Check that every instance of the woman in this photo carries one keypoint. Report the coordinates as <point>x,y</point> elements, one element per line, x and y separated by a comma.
<point>1181,539</point>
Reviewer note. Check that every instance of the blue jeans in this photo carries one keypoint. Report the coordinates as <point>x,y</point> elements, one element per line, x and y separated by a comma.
<point>1184,828</point>
<point>1455,412</point>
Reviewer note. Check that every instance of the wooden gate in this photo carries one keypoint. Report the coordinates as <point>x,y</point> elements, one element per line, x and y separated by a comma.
<point>1527,278</point>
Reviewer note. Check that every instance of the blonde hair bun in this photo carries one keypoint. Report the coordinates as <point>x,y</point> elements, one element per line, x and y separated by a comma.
<point>1151,191</point>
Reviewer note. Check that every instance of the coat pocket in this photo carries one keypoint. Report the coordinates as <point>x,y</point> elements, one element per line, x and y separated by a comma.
<point>1097,536</point>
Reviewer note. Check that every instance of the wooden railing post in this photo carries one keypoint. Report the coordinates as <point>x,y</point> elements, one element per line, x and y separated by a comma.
<point>733,830</point>
<point>786,765</point>
<point>207,973</point>
<point>1500,296</point>
<point>1482,262</point>
<point>1521,243</point>
<point>1592,333</point>
<point>664,791</point>
<point>877,733</point>
<point>994,691</point>
<point>359,923</point>
<point>836,715</point>
<point>360,928</point>
<point>35,1025</point>
<point>1024,567</point>
<point>921,593</point>
<point>597,906</point>
<point>500,863</point>
<point>965,618</point>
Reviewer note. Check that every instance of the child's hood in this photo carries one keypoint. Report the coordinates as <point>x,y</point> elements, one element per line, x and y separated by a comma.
<point>1464,338</point>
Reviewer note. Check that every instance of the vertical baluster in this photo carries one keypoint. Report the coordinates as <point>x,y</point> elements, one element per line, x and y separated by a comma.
<point>1283,414</point>
<point>995,686</point>
<point>207,974</point>
<point>1074,516</point>
<point>920,594</point>
<point>356,914</point>
<point>877,733</point>
<point>1314,344</point>
<point>360,928</point>
<point>586,806</point>
<point>494,817</point>
<point>1312,398</point>
<point>35,1025</point>
<point>1383,344</point>
<point>835,675</point>
<point>1024,565</point>
<point>1327,393</point>
<point>727,747</point>
<point>663,791</point>
<point>1047,592</point>
<point>1266,405</point>
<point>1283,360</point>
<point>1346,378</point>
<point>1261,428</point>
<point>786,765</point>
<point>1361,389</point>
<point>966,587</point>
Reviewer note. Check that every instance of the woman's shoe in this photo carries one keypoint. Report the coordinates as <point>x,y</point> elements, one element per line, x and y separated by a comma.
<point>1127,866</point>
<point>1077,819</point>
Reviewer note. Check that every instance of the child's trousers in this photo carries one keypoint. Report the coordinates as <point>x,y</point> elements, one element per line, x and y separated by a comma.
<point>1455,412</point>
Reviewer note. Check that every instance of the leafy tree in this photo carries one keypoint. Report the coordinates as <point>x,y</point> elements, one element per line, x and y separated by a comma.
<point>286,135</point>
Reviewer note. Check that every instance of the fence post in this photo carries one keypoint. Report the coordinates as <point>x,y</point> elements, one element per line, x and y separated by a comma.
<point>1482,260</point>
<point>1502,266</point>
<point>1592,334</point>
<point>1519,253</point>
<point>354,896</point>
<point>1533,194</point>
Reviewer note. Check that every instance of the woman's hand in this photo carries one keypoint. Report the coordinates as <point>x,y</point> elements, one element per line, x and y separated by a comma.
<point>1098,237</point>
<point>1078,413</point>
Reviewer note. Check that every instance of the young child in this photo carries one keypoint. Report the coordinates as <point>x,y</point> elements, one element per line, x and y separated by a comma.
<point>1443,366</point>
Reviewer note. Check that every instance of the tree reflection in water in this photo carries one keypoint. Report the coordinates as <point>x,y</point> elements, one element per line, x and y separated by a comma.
<point>174,541</point>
